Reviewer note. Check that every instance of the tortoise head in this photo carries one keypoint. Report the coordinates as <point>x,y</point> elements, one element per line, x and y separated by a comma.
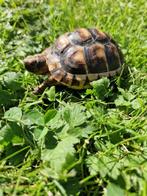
<point>36,64</point>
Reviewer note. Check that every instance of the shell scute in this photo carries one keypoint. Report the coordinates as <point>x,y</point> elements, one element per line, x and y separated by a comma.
<point>112,56</point>
<point>99,35</point>
<point>95,58</point>
<point>77,58</point>
<point>61,43</point>
<point>73,60</point>
<point>80,36</point>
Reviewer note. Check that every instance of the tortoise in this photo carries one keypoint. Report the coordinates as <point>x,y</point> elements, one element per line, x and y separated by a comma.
<point>76,59</point>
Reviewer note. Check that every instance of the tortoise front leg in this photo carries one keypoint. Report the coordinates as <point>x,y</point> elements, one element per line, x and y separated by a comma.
<point>49,82</point>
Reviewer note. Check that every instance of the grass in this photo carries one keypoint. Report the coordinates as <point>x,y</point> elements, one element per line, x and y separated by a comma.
<point>64,142</point>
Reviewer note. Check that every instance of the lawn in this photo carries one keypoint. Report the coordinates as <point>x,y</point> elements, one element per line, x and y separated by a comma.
<point>66,142</point>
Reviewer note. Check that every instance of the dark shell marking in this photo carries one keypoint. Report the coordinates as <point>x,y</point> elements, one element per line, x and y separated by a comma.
<point>82,56</point>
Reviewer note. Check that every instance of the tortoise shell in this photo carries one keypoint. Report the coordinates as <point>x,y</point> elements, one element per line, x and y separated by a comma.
<point>79,57</point>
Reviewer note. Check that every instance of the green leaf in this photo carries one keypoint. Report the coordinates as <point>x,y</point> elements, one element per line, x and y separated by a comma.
<point>49,172</point>
<point>33,117</point>
<point>126,94</point>
<point>136,104</point>
<point>114,190</point>
<point>11,80</point>
<point>78,132</point>
<point>43,133</point>
<point>100,87</point>
<point>37,132</point>
<point>56,122</point>
<point>74,114</point>
<point>13,114</point>
<point>49,115</point>
<point>67,115</point>
<point>50,140</point>
<point>6,98</point>
<point>82,132</point>
<point>62,154</point>
<point>11,132</point>
<point>89,91</point>
<point>120,101</point>
<point>51,93</point>
<point>104,165</point>
<point>16,158</point>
